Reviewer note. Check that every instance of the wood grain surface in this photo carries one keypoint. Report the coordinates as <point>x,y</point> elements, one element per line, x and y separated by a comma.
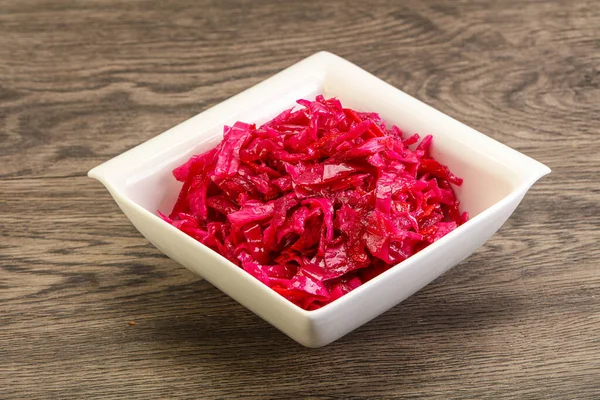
<point>82,81</point>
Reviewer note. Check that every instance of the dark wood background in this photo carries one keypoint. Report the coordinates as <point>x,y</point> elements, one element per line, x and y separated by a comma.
<point>82,81</point>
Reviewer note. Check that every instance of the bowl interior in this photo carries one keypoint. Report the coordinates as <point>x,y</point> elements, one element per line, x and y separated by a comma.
<point>486,180</point>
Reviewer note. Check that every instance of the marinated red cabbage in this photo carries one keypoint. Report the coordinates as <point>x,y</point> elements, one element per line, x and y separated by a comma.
<point>317,201</point>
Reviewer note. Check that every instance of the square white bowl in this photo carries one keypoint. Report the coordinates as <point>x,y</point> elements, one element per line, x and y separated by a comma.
<point>496,178</point>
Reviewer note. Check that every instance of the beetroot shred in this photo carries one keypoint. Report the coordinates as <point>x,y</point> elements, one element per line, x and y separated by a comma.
<point>317,201</point>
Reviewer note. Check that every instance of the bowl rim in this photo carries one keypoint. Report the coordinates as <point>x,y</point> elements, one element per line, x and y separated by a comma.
<point>326,61</point>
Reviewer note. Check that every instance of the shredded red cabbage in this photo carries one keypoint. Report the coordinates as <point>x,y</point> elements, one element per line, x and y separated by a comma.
<point>317,201</point>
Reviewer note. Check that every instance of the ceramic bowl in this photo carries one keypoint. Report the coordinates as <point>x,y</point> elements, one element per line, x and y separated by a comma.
<point>496,178</point>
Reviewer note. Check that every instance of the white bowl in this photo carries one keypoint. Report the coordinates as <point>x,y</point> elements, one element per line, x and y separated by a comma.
<point>496,178</point>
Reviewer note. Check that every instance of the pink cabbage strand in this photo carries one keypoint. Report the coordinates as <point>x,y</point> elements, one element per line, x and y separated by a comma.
<point>317,201</point>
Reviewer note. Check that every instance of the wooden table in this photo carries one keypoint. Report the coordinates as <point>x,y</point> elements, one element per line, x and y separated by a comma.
<point>82,81</point>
